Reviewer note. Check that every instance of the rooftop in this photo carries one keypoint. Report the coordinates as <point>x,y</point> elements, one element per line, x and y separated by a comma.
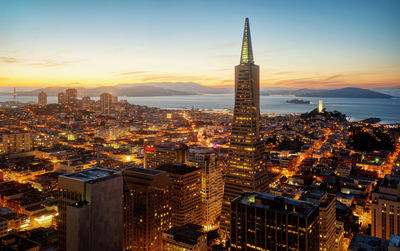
<point>177,168</point>
<point>278,203</point>
<point>91,174</point>
<point>145,171</point>
<point>188,233</point>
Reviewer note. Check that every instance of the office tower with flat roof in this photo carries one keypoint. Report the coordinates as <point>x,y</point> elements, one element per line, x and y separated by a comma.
<point>263,221</point>
<point>327,218</point>
<point>86,103</point>
<point>147,208</point>
<point>246,169</point>
<point>155,156</point>
<point>71,96</point>
<point>385,207</point>
<point>205,159</point>
<point>42,98</point>
<point>105,103</point>
<point>62,99</point>
<point>90,210</point>
<point>185,193</point>
<point>187,237</point>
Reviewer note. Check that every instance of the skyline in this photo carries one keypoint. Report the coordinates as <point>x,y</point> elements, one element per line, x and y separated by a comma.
<point>311,45</point>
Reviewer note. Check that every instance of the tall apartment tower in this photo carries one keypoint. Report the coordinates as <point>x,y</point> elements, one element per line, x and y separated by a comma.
<point>90,210</point>
<point>42,98</point>
<point>211,191</point>
<point>62,99</point>
<point>385,208</point>
<point>263,221</point>
<point>71,97</point>
<point>327,218</point>
<point>147,208</point>
<point>155,156</point>
<point>105,103</point>
<point>185,193</point>
<point>246,166</point>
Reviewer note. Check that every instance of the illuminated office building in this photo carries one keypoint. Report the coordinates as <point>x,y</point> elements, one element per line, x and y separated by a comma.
<point>155,156</point>
<point>90,210</point>
<point>211,183</point>
<point>385,207</point>
<point>185,193</point>
<point>62,99</point>
<point>105,103</point>
<point>42,98</point>
<point>263,221</point>
<point>71,97</point>
<point>327,218</point>
<point>246,166</point>
<point>147,208</point>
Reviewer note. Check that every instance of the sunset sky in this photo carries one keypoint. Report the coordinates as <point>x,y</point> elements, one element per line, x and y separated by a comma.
<point>303,44</point>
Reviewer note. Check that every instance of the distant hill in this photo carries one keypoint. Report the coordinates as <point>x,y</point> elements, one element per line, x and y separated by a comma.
<point>190,87</point>
<point>134,91</point>
<point>392,91</point>
<point>349,92</point>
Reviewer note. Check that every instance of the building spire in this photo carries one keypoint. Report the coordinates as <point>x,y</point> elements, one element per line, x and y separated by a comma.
<point>247,50</point>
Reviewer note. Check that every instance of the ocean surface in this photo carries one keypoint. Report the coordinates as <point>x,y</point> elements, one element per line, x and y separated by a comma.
<point>388,110</point>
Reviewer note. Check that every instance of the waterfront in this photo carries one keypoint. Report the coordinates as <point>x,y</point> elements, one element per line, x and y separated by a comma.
<point>355,108</point>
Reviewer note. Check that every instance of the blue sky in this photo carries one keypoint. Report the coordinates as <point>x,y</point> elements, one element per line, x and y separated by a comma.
<point>296,43</point>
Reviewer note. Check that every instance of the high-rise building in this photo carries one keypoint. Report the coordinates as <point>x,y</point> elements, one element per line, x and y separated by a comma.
<point>90,210</point>
<point>155,156</point>
<point>185,193</point>
<point>182,238</point>
<point>86,103</point>
<point>211,183</point>
<point>327,218</point>
<point>147,208</point>
<point>16,142</point>
<point>62,99</point>
<point>385,208</point>
<point>71,95</point>
<point>263,221</point>
<point>105,103</point>
<point>246,169</point>
<point>42,98</point>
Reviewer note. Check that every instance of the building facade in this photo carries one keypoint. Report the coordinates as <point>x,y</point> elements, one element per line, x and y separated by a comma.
<point>211,191</point>
<point>90,210</point>
<point>185,193</point>
<point>42,98</point>
<point>246,169</point>
<point>155,156</point>
<point>327,218</point>
<point>385,208</point>
<point>105,103</point>
<point>147,208</point>
<point>262,221</point>
<point>16,142</point>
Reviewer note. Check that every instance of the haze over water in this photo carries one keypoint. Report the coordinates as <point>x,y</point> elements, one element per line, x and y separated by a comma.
<point>388,110</point>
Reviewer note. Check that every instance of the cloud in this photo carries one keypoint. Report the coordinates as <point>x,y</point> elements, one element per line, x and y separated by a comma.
<point>132,73</point>
<point>9,60</point>
<point>50,63</point>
